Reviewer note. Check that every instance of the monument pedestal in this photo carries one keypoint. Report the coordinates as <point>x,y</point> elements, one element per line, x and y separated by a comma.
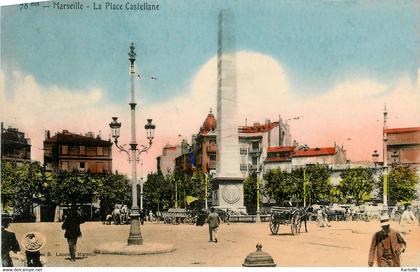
<point>228,194</point>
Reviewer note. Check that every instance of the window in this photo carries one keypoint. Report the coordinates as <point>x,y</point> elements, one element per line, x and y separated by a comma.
<point>48,150</point>
<point>64,150</point>
<point>99,151</point>
<point>82,150</point>
<point>82,165</point>
<point>105,151</point>
<point>212,157</point>
<point>65,165</point>
<point>254,160</point>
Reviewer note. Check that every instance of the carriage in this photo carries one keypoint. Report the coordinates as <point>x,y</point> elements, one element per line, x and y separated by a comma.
<point>177,216</point>
<point>292,216</point>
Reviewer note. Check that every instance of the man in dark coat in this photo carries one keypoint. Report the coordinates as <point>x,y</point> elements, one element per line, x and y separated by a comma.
<point>388,245</point>
<point>8,241</point>
<point>213,220</point>
<point>71,225</point>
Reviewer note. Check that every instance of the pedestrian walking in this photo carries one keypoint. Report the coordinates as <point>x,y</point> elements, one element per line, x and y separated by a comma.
<point>116,214</point>
<point>407,219</point>
<point>213,220</point>
<point>388,245</point>
<point>228,214</point>
<point>8,241</point>
<point>71,226</point>
<point>322,217</point>
<point>32,242</point>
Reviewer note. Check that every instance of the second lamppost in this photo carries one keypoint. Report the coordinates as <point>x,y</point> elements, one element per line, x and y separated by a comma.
<point>135,237</point>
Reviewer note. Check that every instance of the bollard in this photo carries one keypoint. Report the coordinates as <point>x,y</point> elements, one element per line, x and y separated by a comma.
<point>259,258</point>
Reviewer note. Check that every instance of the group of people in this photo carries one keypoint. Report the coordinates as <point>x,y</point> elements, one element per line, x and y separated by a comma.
<point>33,242</point>
<point>386,247</point>
<point>119,215</point>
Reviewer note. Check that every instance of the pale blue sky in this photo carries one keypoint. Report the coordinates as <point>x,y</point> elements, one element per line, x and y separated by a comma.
<point>319,43</point>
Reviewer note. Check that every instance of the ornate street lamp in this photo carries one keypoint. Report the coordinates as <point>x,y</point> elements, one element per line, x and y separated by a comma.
<point>135,237</point>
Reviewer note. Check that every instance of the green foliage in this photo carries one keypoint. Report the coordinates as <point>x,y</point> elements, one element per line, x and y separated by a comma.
<point>112,189</point>
<point>30,184</point>
<point>25,186</point>
<point>159,190</point>
<point>357,184</point>
<point>250,192</point>
<point>402,182</point>
<point>284,186</point>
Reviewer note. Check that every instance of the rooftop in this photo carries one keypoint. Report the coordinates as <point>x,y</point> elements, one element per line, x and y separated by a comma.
<point>68,138</point>
<point>401,130</point>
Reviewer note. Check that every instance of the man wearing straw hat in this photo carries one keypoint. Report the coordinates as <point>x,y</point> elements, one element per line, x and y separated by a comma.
<point>388,245</point>
<point>8,241</point>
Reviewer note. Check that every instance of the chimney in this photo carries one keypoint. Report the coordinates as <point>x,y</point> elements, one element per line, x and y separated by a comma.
<point>47,134</point>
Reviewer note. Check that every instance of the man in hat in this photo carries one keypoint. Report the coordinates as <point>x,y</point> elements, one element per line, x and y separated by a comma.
<point>71,225</point>
<point>8,241</point>
<point>213,220</point>
<point>388,245</point>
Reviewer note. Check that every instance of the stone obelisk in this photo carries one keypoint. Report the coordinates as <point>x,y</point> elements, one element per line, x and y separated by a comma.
<point>228,182</point>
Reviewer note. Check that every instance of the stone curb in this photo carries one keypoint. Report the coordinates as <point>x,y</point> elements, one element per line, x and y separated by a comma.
<point>118,248</point>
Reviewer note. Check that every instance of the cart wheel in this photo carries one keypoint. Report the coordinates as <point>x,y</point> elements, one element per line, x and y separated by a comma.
<point>294,224</point>
<point>274,227</point>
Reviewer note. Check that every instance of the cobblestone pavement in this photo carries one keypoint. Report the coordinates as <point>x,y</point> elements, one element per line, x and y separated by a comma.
<point>343,244</point>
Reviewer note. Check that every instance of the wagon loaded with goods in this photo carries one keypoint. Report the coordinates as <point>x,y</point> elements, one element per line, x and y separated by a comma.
<point>292,216</point>
<point>177,216</point>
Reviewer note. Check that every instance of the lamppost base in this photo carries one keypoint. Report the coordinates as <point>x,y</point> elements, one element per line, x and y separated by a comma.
<point>135,238</point>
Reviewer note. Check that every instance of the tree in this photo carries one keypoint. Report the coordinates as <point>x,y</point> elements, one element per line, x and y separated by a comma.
<point>318,182</point>
<point>402,182</point>
<point>74,188</point>
<point>25,186</point>
<point>112,189</point>
<point>280,185</point>
<point>159,191</point>
<point>284,186</point>
<point>250,192</point>
<point>356,183</point>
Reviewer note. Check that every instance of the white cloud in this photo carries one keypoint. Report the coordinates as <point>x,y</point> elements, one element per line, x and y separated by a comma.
<point>348,110</point>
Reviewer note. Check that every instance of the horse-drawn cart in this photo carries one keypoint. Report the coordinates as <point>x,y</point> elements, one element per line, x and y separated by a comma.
<point>292,216</point>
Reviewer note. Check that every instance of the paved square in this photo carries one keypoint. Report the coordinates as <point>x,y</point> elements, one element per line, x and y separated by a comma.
<point>344,244</point>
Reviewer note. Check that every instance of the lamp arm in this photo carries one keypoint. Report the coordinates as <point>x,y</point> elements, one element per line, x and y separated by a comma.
<point>144,148</point>
<point>121,148</point>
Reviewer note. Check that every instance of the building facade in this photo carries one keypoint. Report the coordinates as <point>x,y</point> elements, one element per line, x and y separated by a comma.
<point>403,146</point>
<point>253,143</point>
<point>14,146</point>
<point>67,151</point>
<point>287,158</point>
<point>166,161</point>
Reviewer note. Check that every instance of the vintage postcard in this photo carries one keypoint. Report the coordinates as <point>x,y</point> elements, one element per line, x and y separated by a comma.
<point>207,133</point>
